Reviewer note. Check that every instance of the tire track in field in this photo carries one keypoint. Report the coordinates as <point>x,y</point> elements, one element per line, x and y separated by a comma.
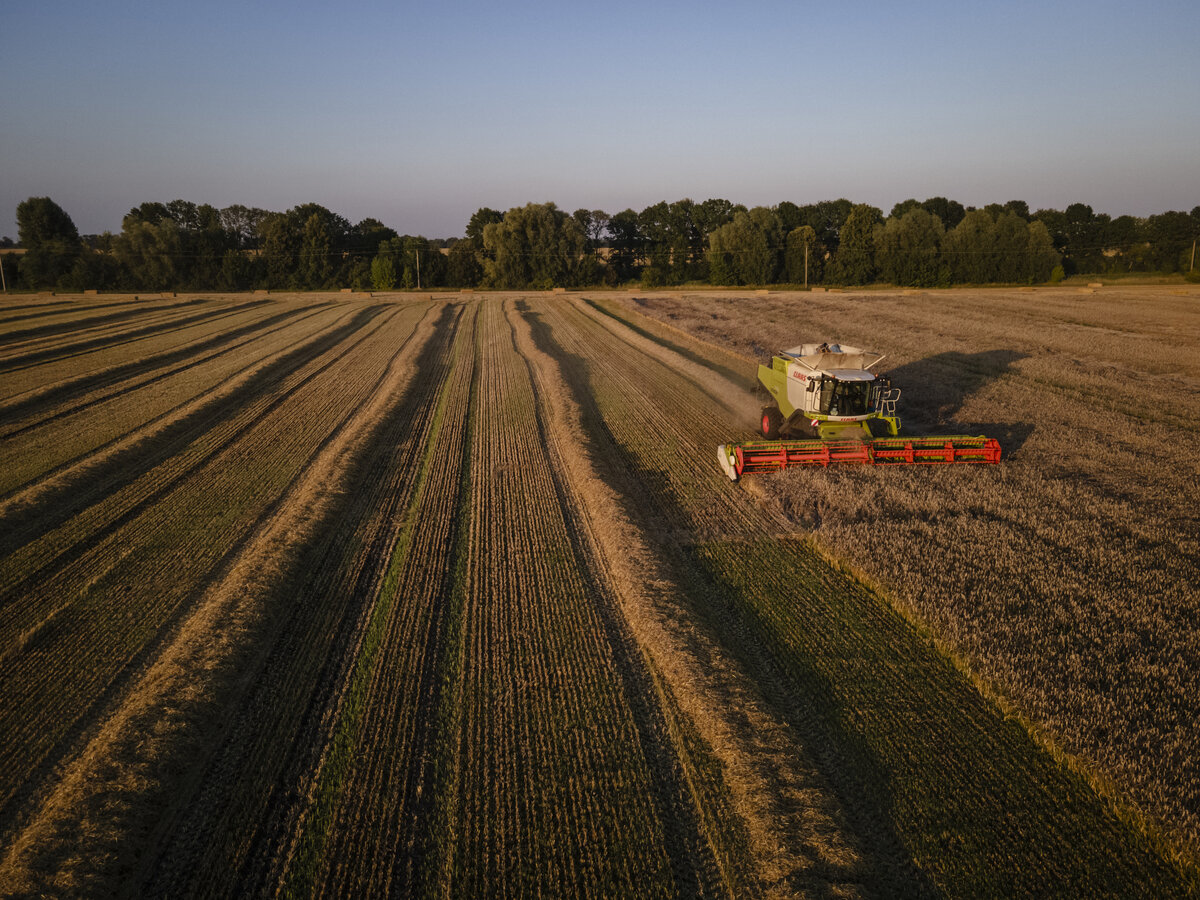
<point>21,361</point>
<point>133,780</point>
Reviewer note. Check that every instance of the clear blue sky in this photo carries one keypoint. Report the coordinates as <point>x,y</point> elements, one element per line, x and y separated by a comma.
<point>418,114</point>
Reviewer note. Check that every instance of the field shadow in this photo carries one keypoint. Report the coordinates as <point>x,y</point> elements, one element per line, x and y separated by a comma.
<point>190,354</point>
<point>935,389</point>
<point>320,595</point>
<point>114,471</point>
<point>65,351</point>
<point>794,690</point>
<point>72,499</point>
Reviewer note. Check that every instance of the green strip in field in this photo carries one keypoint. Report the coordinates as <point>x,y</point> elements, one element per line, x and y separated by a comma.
<point>303,872</point>
<point>449,710</point>
<point>977,805</point>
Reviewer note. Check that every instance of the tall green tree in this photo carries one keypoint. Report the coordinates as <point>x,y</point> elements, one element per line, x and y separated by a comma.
<point>280,250</point>
<point>951,212</point>
<point>907,249</point>
<point>826,219</point>
<point>1171,235</point>
<point>748,250</point>
<point>479,220</point>
<point>662,243</point>
<point>383,273</point>
<point>1041,257</point>
<point>150,252</point>
<point>855,259</point>
<point>711,215</point>
<point>626,245</point>
<point>462,266</point>
<point>537,245</point>
<point>970,249</point>
<point>316,249</point>
<point>242,223</point>
<point>51,242</point>
<point>366,236</point>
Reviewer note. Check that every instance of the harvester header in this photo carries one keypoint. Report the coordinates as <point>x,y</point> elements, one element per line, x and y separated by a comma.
<point>828,407</point>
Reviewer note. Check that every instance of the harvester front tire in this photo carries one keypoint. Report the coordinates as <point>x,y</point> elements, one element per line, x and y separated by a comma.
<point>772,420</point>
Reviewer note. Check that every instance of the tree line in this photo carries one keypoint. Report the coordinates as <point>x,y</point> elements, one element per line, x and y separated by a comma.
<point>186,246</point>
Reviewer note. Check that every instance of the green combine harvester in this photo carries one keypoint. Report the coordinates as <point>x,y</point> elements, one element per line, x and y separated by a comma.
<point>830,408</point>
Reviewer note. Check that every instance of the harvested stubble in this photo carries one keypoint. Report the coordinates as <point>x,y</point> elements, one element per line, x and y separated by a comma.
<point>72,636</point>
<point>476,615</point>
<point>33,346</point>
<point>53,383</point>
<point>260,815</point>
<point>1066,577</point>
<point>75,419</point>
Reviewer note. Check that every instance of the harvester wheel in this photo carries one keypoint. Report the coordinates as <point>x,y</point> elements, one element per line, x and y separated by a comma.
<point>772,418</point>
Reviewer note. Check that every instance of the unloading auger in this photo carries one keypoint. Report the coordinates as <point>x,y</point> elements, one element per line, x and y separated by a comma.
<point>830,408</point>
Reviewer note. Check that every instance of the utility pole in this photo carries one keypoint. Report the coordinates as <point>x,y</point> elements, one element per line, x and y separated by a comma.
<point>806,265</point>
<point>1190,268</point>
<point>5,283</point>
<point>418,270</point>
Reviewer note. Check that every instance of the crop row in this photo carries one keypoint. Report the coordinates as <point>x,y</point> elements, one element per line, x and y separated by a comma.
<point>53,388</point>
<point>546,715</point>
<point>369,827</point>
<point>19,355</point>
<point>49,438</point>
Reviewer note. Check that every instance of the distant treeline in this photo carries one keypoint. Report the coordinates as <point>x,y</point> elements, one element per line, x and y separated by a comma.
<point>186,246</point>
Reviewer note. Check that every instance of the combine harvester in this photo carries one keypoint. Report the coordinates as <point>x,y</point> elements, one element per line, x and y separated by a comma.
<point>830,408</point>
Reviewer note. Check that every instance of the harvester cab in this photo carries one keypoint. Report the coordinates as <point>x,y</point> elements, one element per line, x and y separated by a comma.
<point>827,391</point>
<point>828,407</point>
